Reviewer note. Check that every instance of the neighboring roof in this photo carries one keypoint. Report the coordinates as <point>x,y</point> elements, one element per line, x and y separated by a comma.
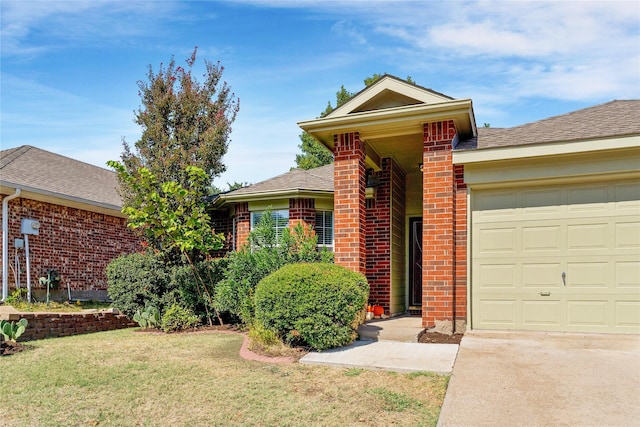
<point>48,174</point>
<point>615,118</point>
<point>296,181</point>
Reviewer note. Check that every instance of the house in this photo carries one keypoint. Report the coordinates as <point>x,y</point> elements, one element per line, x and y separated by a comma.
<point>79,226</point>
<point>535,227</point>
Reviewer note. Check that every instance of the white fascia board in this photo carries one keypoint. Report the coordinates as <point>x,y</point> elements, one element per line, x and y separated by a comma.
<point>273,195</point>
<point>32,193</point>
<point>544,149</point>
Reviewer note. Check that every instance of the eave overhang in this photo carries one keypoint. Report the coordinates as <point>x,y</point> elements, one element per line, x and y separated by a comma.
<point>224,199</point>
<point>480,155</point>
<point>33,193</point>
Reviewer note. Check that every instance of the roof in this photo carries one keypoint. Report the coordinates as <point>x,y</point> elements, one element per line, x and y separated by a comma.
<point>614,118</point>
<point>48,174</point>
<point>296,181</point>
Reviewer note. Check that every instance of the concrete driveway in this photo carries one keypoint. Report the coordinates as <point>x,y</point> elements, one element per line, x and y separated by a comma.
<point>544,379</point>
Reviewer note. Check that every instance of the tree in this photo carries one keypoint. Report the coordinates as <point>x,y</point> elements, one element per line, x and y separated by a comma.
<point>174,216</point>
<point>184,123</point>
<point>314,154</point>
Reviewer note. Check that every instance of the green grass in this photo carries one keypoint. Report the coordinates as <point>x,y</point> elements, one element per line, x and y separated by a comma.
<point>126,378</point>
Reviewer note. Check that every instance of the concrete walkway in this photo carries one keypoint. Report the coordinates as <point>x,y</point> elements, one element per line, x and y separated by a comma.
<point>390,344</point>
<point>544,379</point>
<point>389,355</point>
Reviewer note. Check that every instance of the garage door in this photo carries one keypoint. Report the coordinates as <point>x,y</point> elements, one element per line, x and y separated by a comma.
<point>557,258</point>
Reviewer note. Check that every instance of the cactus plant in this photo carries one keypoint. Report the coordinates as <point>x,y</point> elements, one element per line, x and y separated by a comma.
<point>11,331</point>
<point>148,318</point>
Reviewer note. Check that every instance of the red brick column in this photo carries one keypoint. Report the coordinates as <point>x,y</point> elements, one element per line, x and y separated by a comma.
<point>438,276</point>
<point>243,224</point>
<point>460,242</point>
<point>349,202</point>
<point>304,211</point>
<point>379,239</point>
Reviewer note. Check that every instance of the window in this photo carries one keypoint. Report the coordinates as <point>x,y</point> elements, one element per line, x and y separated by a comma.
<point>324,228</point>
<point>280,221</point>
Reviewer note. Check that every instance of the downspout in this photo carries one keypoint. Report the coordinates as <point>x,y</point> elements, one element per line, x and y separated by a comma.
<point>5,242</point>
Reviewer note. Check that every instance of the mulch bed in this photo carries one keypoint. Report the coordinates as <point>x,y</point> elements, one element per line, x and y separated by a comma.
<point>439,338</point>
<point>9,348</point>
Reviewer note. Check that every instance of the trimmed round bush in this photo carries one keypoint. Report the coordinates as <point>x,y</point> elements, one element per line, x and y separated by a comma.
<point>312,304</point>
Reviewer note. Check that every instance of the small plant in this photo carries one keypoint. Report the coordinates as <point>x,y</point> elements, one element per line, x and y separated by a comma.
<point>148,318</point>
<point>178,318</point>
<point>17,296</point>
<point>11,331</point>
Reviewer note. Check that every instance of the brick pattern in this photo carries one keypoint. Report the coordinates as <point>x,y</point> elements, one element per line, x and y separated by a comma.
<point>53,325</point>
<point>302,211</point>
<point>349,202</point>
<point>378,238</point>
<point>222,223</point>
<point>243,224</point>
<point>78,244</point>
<point>438,274</point>
<point>460,242</point>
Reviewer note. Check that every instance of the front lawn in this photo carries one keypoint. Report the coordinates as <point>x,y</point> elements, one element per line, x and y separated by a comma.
<point>127,378</point>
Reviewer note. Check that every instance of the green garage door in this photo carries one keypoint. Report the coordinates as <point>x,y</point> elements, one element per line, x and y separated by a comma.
<point>557,258</point>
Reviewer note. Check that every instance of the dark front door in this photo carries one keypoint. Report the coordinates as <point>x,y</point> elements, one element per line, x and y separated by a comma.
<point>415,262</point>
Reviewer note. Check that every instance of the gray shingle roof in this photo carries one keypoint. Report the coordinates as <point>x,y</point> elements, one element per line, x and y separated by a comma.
<point>40,171</point>
<point>318,179</point>
<point>615,118</point>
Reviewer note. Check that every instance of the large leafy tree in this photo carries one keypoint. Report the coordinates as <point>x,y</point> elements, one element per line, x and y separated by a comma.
<point>314,154</point>
<point>185,123</point>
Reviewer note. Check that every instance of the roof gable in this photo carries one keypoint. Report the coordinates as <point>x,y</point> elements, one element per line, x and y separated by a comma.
<point>388,92</point>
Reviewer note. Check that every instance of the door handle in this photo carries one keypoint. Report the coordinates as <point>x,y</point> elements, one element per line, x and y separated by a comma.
<point>564,279</point>
<point>545,293</point>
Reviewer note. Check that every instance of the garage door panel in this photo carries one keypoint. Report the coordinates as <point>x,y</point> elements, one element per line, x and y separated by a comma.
<point>628,274</point>
<point>587,236</point>
<point>587,274</point>
<point>522,245</point>
<point>497,275</point>
<point>541,238</point>
<point>498,240</point>
<point>498,312</point>
<point>587,313</point>
<point>546,313</point>
<point>548,275</point>
<point>627,314</point>
<point>627,235</point>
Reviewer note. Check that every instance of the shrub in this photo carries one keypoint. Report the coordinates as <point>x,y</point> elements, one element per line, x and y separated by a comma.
<point>312,304</point>
<point>178,318</point>
<point>183,278</point>
<point>138,280</point>
<point>260,257</point>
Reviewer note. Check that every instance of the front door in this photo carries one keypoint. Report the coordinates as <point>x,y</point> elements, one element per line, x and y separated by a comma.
<point>415,263</point>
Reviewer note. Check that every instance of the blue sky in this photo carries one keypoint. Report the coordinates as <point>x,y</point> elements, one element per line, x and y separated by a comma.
<point>69,68</point>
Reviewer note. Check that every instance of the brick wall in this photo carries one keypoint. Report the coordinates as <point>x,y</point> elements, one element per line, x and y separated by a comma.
<point>243,224</point>
<point>349,202</point>
<point>222,222</point>
<point>53,325</point>
<point>302,210</point>
<point>460,243</point>
<point>438,246</point>
<point>378,239</point>
<point>77,243</point>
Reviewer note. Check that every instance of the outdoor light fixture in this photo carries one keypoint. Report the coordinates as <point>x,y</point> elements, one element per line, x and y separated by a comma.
<point>421,167</point>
